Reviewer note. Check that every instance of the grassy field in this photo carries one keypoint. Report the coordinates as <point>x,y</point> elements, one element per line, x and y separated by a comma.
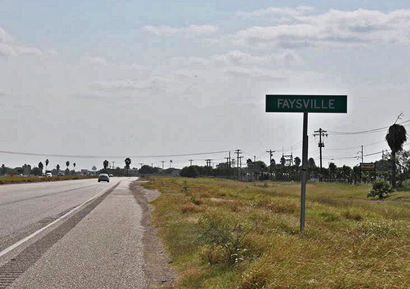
<point>34,179</point>
<point>228,234</point>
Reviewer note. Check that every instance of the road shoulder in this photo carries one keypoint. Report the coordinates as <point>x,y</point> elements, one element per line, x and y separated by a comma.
<point>156,259</point>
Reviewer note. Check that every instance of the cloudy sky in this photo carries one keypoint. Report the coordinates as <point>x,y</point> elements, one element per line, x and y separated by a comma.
<point>140,78</point>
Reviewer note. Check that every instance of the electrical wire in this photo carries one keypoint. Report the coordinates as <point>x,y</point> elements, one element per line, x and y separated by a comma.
<point>106,156</point>
<point>365,131</point>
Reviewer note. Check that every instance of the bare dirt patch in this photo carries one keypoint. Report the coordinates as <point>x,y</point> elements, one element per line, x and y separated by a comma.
<point>157,267</point>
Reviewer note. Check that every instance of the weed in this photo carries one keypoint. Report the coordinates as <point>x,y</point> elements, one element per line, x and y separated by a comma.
<point>223,239</point>
<point>190,208</point>
<point>249,233</point>
<point>329,217</point>
<point>352,215</point>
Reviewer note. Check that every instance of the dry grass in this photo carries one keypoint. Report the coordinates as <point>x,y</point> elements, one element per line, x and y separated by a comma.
<point>350,242</point>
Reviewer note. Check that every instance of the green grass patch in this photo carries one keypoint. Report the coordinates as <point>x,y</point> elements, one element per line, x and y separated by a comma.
<point>228,234</point>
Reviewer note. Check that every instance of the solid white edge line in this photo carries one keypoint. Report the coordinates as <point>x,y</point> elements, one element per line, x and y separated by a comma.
<point>18,243</point>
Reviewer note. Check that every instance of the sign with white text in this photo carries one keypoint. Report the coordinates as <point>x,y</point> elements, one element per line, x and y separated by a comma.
<point>306,103</point>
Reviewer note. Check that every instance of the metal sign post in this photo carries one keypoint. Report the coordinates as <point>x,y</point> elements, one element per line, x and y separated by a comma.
<point>306,104</point>
<point>305,144</point>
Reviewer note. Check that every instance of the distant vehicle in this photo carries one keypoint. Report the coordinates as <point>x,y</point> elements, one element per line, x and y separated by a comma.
<point>110,175</point>
<point>61,174</point>
<point>49,174</point>
<point>103,177</point>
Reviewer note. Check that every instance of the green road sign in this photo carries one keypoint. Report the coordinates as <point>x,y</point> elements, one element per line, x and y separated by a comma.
<point>306,103</point>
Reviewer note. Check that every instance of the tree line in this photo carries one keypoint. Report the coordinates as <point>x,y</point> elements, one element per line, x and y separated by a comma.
<point>394,167</point>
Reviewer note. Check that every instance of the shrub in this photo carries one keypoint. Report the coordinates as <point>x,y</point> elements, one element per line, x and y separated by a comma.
<point>352,215</point>
<point>222,239</point>
<point>185,188</point>
<point>380,189</point>
<point>406,184</point>
<point>189,172</point>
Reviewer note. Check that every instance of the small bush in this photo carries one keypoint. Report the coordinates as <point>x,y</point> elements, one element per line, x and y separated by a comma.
<point>381,189</point>
<point>406,184</point>
<point>223,242</point>
<point>189,172</point>
<point>185,188</point>
<point>329,216</point>
<point>351,215</point>
<point>255,279</point>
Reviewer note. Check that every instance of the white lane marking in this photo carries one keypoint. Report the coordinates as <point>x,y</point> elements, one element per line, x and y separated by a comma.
<point>18,243</point>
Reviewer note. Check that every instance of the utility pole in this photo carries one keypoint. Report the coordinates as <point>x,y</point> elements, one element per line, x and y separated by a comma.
<point>162,164</point>
<point>321,133</point>
<point>208,162</point>
<point>270,160</point>
<point>113,165</point>
<point>238,158</point>
<point>361,152</point>
<point>240,167</point>
<point>170,163</point>
<point>190,163</point>
<point>362,155</point>
<point>228,160</point>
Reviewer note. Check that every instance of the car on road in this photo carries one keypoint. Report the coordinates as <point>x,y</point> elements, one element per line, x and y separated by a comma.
<point>103,178</point>
<point>110,175</point>
<point>48,174</point>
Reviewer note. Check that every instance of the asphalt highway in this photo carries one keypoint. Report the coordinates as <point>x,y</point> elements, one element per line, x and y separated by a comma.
<point>99,245</point>
<point>27,207</point>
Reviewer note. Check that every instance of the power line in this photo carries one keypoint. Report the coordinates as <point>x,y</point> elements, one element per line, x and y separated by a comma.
<point>105,156</point>
<point>365,131</point>
<point>354,147</point>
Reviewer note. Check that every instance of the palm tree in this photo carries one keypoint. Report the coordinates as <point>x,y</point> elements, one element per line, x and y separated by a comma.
<point>127,164</point>
<point>47,163</point>
<point>74,164</point>
<point>105,164</point>
<point>282,161</point>
<point>297,161</point>
<point>40,166</point>
<point>67,163</point>
<point>58,168</point>
<point>395,138</point>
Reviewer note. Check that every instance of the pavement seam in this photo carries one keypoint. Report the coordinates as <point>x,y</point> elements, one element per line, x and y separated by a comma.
<point>10,271</point>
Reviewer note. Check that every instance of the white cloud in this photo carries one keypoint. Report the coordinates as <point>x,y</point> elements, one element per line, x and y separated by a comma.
<point>332,28</point>
<point>180,73</point>
<point>5,37</point>
<point>8,47</point>
<point>97,61</point>
<point>278,11</point>
<point>197,30</point>
<point>190,31</point>
<point>156,82</point>
<point>236,58</point>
